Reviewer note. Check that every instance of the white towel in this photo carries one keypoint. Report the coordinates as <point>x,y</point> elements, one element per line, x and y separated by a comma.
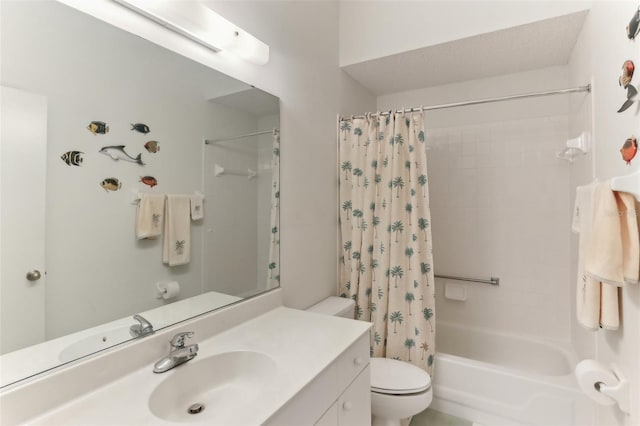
<point>604,256</point>
<point>149,217</point>
<point>630,237</point>
<point>177,230</point>
<point>596,303</point>
<point>197,207</point>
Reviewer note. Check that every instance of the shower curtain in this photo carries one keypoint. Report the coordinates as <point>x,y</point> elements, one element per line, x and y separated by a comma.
<point>273,280</point>
<point>385,235</point>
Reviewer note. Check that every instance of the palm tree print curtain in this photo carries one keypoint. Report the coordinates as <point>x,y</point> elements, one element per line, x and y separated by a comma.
<point>274,248</point>
<point>385,235</point>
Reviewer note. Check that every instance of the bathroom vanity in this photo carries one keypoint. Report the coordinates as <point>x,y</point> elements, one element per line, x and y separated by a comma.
<point>262,365</point>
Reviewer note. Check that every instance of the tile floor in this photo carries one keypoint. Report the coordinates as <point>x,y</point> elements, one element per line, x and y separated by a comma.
<point>431,417</point>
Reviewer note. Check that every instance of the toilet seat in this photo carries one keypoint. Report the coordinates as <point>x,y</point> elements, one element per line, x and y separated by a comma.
<point>393,377</point>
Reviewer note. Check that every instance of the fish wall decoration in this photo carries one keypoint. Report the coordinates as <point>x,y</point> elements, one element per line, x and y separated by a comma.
<point>634,25</point>
<point>149,180</point>
<point>141,128</point>
<point>627,73</point>
<point>629,149</point>
<point>111,184</point>
<point>632,97</point>
<point>152,146</point>
<point>72,158</point>
<point>117,152</point>
<point>98,127</point>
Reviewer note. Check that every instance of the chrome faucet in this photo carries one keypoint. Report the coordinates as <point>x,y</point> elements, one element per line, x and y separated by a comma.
<point>142,329</point>
<point>179,353</point>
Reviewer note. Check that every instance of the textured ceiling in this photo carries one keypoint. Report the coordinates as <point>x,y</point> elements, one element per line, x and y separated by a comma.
<point>532,46</point>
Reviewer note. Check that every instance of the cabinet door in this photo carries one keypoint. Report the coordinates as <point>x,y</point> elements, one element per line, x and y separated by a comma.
<point>354,405</point>
<point>330,417</point>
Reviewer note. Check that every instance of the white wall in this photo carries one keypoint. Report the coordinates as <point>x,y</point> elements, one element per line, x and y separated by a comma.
<point>373,29</point>
<point>500,201</point>
<point>598,55</point>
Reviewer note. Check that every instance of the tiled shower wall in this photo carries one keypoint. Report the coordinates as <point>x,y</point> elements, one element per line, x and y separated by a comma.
<point>500,206</point>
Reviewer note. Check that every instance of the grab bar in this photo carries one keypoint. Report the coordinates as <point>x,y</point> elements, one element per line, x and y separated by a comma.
<point>492,280</point>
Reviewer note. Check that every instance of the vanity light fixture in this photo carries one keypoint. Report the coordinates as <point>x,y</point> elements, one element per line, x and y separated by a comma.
<point>202,25</point>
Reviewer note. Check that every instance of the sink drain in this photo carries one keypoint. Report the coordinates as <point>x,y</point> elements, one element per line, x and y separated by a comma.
<point>196,408</point>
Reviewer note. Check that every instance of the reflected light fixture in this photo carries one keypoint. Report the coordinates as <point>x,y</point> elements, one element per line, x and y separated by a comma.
<point>197,22</point>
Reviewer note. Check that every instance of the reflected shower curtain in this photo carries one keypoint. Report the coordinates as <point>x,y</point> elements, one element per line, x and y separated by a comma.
<point>273,280</point>
<point>385,235</point>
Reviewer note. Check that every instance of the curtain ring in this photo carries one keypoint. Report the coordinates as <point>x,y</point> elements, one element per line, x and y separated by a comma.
<point>352,117</point>
<point>403,109</point>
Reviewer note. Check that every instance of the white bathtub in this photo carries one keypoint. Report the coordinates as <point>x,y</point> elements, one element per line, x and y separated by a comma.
<point>501,379</point>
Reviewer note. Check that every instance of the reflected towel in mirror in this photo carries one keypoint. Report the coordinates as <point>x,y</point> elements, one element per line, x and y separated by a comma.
<point>150,216</point>
<point>177,230</point>
<point>197,207</point>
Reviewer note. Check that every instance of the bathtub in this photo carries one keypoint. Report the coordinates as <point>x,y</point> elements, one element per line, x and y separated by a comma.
<point>501,379</point>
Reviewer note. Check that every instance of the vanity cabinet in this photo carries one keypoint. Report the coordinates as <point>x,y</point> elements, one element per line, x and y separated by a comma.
<point>339,396</point>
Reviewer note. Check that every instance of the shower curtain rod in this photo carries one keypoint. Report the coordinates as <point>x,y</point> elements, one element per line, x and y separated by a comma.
<point>264,132</point>
<point>586,88</point>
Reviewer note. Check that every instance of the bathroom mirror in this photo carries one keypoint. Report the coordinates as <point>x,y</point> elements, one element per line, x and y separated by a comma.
<point>93,119</point>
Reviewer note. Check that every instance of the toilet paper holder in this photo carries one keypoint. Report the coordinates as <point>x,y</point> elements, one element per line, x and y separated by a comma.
<point>617,390</point>
<point>620,392</point>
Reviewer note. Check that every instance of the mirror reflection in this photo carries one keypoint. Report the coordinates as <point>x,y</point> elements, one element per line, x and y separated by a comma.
<point>112,203</point>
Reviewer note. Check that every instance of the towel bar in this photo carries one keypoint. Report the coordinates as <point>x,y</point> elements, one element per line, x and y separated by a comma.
<point>492,280</point>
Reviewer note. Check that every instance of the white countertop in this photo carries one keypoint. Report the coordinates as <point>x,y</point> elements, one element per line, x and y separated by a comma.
<point>302,344</point>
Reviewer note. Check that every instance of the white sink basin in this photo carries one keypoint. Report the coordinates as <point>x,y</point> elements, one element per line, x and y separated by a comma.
<point>222,384</point>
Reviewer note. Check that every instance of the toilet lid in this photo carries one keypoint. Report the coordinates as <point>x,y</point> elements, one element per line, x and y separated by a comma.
<point>395,377</point>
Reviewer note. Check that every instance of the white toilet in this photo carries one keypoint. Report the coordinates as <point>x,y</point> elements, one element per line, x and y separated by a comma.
<point>398,389</point>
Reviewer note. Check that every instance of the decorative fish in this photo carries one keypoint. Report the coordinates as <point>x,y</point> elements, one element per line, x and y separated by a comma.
<point>98,127</point>
<point>111,184</point>
<point>632,96</point>
<point>627,73</point>
<point>139,127</point>
<point>149,180</point>
<point>152,146</point>
<point>72,158</point>
<point>629,149</point>
<point>634,25</point>
<point>117,152</point>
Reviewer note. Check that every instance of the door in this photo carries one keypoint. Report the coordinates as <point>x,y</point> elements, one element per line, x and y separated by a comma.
<point>23,148</point>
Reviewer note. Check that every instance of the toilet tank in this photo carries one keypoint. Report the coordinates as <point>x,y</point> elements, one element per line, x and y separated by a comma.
<point>335,306</point>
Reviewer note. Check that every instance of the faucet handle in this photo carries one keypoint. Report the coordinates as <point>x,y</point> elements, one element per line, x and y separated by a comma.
<point>143,327</point>
<point>178,340</point>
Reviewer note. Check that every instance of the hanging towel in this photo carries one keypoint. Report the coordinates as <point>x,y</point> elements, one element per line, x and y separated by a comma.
<point>604,257</point>
<point>197,207</point>
<point>177,230</point>
<point>588,293</point>
<point>630,237</point>
<point>149,217</point>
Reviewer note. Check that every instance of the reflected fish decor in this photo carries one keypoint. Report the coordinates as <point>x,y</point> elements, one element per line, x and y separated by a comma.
<point>140,128</point>
<point>149,180</point>
<point>98,128</point>
<point>629,149</point>
<point>634,25</point>
<point>72,158</point>
<point>117,152</point>
<point>152,146</point>
<point>111,184</point>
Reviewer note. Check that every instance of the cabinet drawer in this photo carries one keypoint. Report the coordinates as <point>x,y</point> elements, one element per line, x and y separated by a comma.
<point>353,361</point>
